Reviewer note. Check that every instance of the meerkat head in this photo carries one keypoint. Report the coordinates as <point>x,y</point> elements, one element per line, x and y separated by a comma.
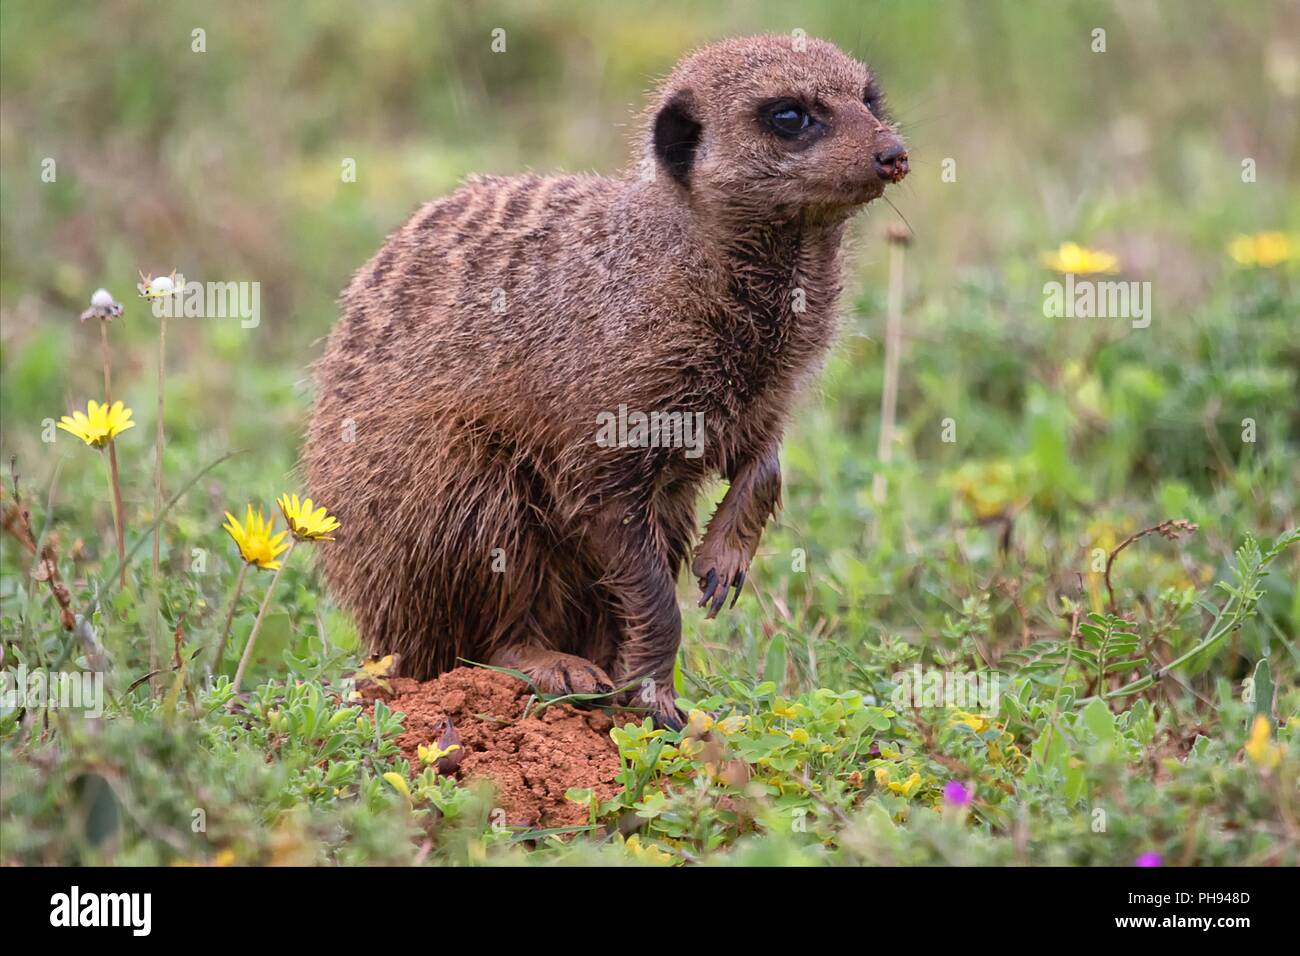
<point>774,125</point>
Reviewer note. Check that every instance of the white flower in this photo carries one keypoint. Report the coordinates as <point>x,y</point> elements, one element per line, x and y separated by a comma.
<point>102,306</point>
<point>158,287</point>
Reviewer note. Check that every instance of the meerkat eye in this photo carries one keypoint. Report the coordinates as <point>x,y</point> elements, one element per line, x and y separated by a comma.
<point>873,100</point>
<point>788,119</point>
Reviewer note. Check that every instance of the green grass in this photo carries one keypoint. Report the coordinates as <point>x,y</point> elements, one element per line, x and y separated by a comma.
<point>987,553</point>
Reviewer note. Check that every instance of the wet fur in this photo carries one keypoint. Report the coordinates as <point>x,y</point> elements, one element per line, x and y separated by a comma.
<point>446,434</point>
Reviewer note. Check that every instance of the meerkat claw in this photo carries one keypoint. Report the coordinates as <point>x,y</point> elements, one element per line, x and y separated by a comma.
<point>708,584</point>
<point>740,583</point>
<point>673,722</point>
<point>714,590</point>
<point>719,599</point>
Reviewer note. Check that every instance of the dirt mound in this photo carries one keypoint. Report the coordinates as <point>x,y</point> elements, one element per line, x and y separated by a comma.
<point>531,761</point>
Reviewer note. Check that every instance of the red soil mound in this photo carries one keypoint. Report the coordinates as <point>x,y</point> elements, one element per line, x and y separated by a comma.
<point>531,761</point>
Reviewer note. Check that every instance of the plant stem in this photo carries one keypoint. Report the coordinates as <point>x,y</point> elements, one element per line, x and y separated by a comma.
<point>115,494</point>
<point>1171,528</point>
<point>103,354</point>
<point>261,613</point>
<point>118,525</point>
<point>893,343</point>
<point>155,638</point>
<point>118,517</point>
<point>230,616</point>
<point>1056,702</point>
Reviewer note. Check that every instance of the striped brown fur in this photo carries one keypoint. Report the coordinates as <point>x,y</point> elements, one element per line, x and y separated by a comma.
<point>456,441</point>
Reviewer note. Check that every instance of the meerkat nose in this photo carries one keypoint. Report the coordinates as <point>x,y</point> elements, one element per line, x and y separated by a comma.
<point>891,160</point>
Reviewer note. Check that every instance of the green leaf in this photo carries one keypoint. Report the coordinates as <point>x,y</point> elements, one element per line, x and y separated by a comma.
<point>1125,665</point>
<point>1263,689</point>
<point>1098,719</point>
<point>774,666</point>
<point>340,630</point>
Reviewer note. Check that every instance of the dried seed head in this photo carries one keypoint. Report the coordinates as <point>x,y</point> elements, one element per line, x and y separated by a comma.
<point>898,234</point>
<point>102,306</point>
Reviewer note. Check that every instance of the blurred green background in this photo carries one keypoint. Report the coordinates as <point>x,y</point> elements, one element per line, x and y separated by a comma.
<point>226,164</point>
<point>1069,434</point>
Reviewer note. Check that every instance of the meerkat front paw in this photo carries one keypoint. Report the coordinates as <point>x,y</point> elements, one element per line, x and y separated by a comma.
<point>719,570</point>
<point>566,674</point>
<point>555,674</point>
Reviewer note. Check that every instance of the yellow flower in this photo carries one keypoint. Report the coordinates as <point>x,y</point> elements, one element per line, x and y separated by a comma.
<point>1263,249</point>
<point>906,788</point>
<point>433,753</point>
<point>306,524</point>
<point>698,723</point>
<point>380,667</point>
<point>100,424</point>
<point>1260,748</point>
<point>976,722</point>
<point>256,545</point>
<point>991,487</point>
<point>733,724</point>
<point>152,287</point>
<point>799,735</point>
<point>1072,257</point>
<point>398,783</point>
<point>646,852</point>
<point>690,747</point>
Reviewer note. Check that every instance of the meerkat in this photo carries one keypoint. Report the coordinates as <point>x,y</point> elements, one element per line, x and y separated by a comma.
<point>458,400</point>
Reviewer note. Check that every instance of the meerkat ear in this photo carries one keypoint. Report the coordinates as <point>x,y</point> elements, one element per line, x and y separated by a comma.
<point>676,136</point>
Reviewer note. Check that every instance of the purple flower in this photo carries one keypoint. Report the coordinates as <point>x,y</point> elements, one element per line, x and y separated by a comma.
<point>955,794</point>
<point>1150,858</point>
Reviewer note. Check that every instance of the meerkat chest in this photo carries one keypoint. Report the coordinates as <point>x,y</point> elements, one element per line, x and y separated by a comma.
<point>773,321</point>
<point>758,352</point>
